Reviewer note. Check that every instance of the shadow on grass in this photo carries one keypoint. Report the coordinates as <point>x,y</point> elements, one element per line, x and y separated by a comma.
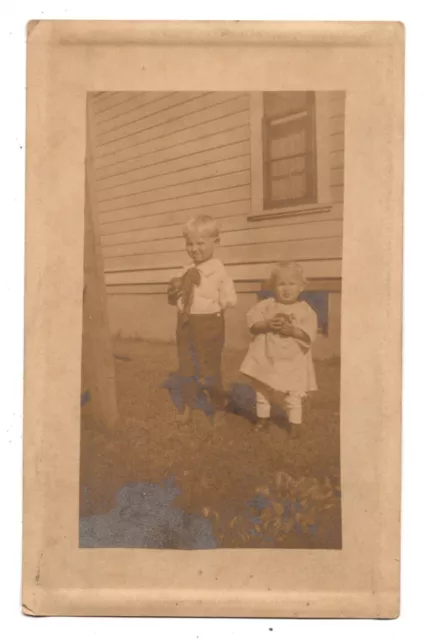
<point>241,402</point>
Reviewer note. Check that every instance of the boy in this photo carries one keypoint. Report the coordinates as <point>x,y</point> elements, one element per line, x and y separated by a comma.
<point>201,294</point>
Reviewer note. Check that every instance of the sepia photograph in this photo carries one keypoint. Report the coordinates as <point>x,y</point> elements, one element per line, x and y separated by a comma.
<point>213,286</point>
<point>210,397</point>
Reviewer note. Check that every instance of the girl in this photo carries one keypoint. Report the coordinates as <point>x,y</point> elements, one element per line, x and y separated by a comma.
<point>279,358</point>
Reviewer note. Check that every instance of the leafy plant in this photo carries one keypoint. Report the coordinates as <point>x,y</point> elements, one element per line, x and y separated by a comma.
<point>278,509</point>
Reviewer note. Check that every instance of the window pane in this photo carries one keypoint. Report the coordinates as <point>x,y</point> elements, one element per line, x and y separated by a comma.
<point>289,148</point>
<point>290,188</point>
<point>286,167</point>
<point>298,186</point>
<point>280,189</point>
<point>289,145</point>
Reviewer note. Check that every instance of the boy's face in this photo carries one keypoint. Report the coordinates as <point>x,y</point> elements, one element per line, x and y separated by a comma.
<point>200,247</point>
<point>287,287</point>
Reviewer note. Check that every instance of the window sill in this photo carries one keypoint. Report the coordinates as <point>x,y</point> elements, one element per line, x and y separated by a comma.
<point>298,210</point>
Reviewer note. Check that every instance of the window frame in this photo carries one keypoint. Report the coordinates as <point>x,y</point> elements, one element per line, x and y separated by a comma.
<point>292,123</point>
<point>323,202</point>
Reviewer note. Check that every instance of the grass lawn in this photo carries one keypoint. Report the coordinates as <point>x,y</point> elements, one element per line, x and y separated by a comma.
<point>258,489</point>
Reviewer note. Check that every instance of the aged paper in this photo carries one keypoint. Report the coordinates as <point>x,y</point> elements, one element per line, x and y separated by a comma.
<point>213,319</point>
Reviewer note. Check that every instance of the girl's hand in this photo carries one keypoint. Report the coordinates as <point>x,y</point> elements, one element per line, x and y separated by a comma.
<point>274,324</point>
<point>287,329</point>
<point>264,326</point>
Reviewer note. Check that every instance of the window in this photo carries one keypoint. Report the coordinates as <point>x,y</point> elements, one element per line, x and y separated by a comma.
<point>290,153</point>
<point>289,148</point>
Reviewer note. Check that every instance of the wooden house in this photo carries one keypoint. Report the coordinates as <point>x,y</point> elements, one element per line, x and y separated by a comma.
<point>269,166</point>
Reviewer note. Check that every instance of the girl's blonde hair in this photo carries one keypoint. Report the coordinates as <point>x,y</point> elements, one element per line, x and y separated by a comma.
<point>202,224</point>
<point>293,267</point>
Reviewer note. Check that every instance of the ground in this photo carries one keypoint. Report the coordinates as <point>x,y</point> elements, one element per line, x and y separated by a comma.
<point>258,489</point>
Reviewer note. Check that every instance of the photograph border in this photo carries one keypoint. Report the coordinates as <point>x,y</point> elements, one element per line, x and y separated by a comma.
<point>67,59</point>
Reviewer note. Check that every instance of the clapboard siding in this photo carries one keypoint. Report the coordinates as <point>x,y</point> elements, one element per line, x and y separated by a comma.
<point>180,113</point>
<point>156,224</point>
<point>337,126</point>
<point>200,124</point>
<point>124,110</point>
<point>163,165</point>
<point>159,194</point>
<point>175,178</point>
<point>178,139</point>
<point>182,152</point>
<point>311,249</point>
<point>108,100</point>
<point>314,269</point>
<point>337,176</point>
<point>131,245</point>
<point>241,287</point>
<point>300,226</point>
<point>160,158</point>
<point>170,224</point>
<point>135,109</point>
<point>337,160</point>
<point>190,204</point>
<point>149,118</point>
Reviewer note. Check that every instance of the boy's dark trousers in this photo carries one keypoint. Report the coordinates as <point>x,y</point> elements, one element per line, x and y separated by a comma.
<point>200,341</point>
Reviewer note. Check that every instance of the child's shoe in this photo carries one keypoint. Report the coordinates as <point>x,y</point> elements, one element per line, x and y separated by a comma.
<point>185,416</point>
<point>262,424</point>
<point>295,431</point>
<point>219,418</point>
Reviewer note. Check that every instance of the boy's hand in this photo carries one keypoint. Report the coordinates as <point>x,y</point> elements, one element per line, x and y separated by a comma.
<point>175,284</point>
<point>174,290</point>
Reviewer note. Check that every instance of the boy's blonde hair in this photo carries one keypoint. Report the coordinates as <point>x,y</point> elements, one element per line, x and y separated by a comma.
<point>205,225</point>
<point>293,267</point>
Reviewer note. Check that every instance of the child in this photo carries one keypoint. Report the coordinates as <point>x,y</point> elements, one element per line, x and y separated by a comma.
<point>279,357</point>
<point>201,294</point>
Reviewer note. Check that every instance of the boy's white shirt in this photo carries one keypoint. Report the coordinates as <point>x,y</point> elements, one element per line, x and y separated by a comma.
<point>216,290</point>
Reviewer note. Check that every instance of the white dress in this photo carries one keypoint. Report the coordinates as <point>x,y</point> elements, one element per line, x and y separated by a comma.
<point>283,363</point>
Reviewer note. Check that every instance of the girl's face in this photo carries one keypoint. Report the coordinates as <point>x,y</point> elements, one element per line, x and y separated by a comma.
<point>287,287</point>
<point>200,247</point>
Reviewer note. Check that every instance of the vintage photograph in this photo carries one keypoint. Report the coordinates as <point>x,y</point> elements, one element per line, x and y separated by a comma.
<point>210,395</point>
